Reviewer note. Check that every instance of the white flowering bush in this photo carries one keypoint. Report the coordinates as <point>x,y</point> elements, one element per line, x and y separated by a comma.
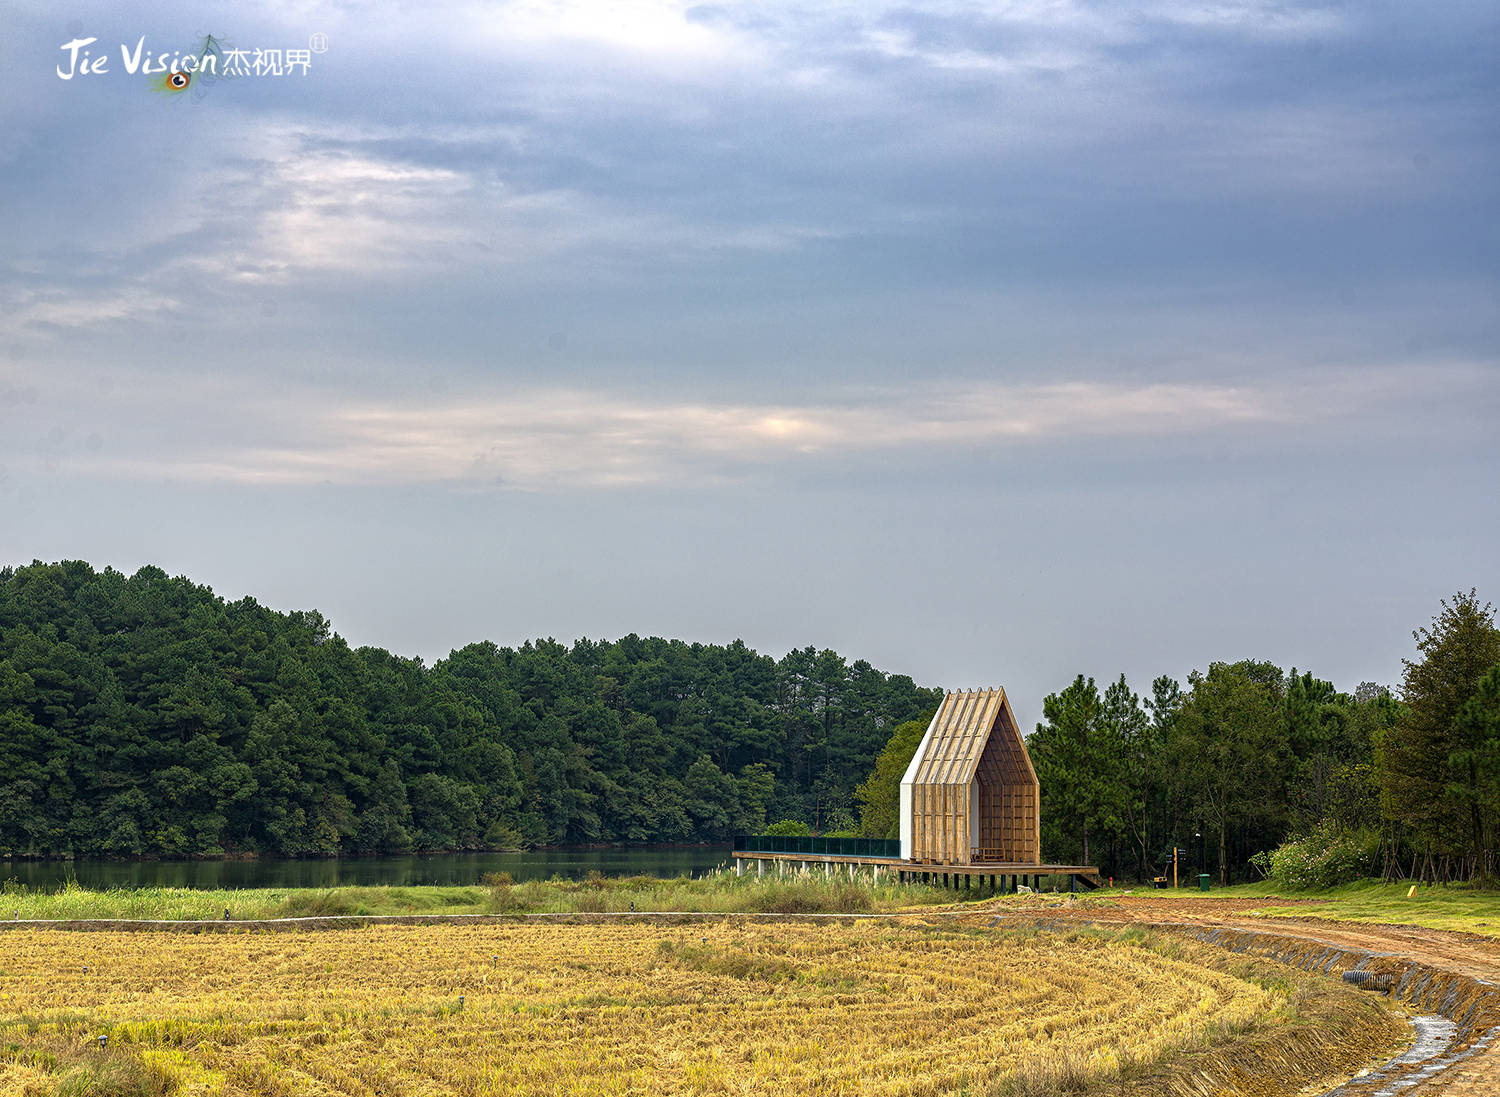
<point>1323,859</point>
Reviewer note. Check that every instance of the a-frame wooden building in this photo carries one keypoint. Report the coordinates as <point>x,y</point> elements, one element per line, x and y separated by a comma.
<point>970,796</point>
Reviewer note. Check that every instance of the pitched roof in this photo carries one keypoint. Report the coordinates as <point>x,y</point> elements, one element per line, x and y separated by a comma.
<point>959,732</point>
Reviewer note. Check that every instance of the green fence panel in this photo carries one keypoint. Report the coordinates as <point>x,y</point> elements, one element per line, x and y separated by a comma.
<point>817,845</point>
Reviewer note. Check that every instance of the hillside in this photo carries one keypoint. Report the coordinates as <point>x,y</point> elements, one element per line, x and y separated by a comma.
<point>145,715</point>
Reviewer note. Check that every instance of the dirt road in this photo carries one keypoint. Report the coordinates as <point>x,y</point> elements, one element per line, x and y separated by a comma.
<point>1458,953</point>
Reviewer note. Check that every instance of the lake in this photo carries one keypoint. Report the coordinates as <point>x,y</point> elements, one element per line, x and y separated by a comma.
<point>403,871</point>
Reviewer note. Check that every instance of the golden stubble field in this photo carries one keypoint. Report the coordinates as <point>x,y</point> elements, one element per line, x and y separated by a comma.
<point>860,1008</point>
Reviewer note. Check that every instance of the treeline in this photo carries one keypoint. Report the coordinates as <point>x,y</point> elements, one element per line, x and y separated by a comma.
<point>144,715</point>
<point>1250,770</point>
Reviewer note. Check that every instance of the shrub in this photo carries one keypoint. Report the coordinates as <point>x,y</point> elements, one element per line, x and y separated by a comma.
<point>1323,859</point>
<point>318,904</point>
<point>809,896</point>
<point>790,828</point>
<point>590,902</point>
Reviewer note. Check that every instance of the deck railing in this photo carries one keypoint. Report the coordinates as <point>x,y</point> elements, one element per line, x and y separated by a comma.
<point>836,847</point>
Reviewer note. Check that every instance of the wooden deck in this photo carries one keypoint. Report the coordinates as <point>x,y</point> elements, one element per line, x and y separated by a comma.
<point>995,871</point>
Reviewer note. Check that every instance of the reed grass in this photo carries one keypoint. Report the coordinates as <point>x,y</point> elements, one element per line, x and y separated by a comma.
<point>722,893</point>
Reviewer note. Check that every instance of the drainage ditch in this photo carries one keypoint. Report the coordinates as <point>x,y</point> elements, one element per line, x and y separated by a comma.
<point>1460,1014</point>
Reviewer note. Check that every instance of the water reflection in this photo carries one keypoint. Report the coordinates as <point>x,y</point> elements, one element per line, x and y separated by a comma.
<point>405,871</point>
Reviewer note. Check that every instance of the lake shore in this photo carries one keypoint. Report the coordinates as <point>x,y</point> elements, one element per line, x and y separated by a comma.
<point>719,892</point>
<point>404,870</point>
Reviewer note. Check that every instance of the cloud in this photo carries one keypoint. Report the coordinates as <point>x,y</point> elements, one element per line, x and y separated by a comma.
<point>361,203</point>
<point>546,439</point>
<point>330,211</point>
<point>1251,18</point>
<point>61,308</point>
<point>569,143</point>
<point>351,206</point>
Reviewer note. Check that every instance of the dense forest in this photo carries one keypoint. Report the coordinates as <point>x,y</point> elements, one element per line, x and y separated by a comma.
<point>1253,771</point>
<point>1245,757</point>
<point>144,715</point>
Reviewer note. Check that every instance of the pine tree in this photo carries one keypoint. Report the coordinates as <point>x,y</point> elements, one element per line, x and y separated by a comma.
<point>1431,766</point>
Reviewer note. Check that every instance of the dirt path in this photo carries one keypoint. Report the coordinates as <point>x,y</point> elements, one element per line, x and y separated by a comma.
<point>1460,953</point>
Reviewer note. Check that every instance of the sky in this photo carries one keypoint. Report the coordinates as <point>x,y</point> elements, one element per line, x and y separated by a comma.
<point>991,343</point>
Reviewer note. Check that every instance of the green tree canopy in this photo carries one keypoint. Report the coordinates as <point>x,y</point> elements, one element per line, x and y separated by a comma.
<point>1432,765</point>
<point>1231,747</point>
<point>879,794</point>
<point>1078,752</point>
<point>144,715</point>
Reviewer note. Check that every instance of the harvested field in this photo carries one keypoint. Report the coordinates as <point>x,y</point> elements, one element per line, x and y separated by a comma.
<point>870,1008</point>
<point>1471,959</point>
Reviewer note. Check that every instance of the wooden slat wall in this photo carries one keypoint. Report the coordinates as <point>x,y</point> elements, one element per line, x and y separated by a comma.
<point>1010,797</point>
<point>940,830</point>
<point>976,753</point>
<point>940,818</point>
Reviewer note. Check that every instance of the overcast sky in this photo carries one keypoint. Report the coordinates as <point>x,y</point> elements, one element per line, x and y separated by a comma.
<point>990,343</point>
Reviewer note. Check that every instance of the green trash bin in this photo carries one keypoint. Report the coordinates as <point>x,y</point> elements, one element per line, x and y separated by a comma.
<point>1203,881</point>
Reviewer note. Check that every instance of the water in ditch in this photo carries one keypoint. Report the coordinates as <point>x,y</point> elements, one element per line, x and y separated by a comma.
<point>1434,1037</point>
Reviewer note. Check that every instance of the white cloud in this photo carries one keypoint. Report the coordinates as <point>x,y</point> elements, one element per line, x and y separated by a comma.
<point>1251,18</point>
<point>329,201</point>
<point>65,309</point>
<point>301,208</point>
<point>558,439</point>
<point>642,27</point>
